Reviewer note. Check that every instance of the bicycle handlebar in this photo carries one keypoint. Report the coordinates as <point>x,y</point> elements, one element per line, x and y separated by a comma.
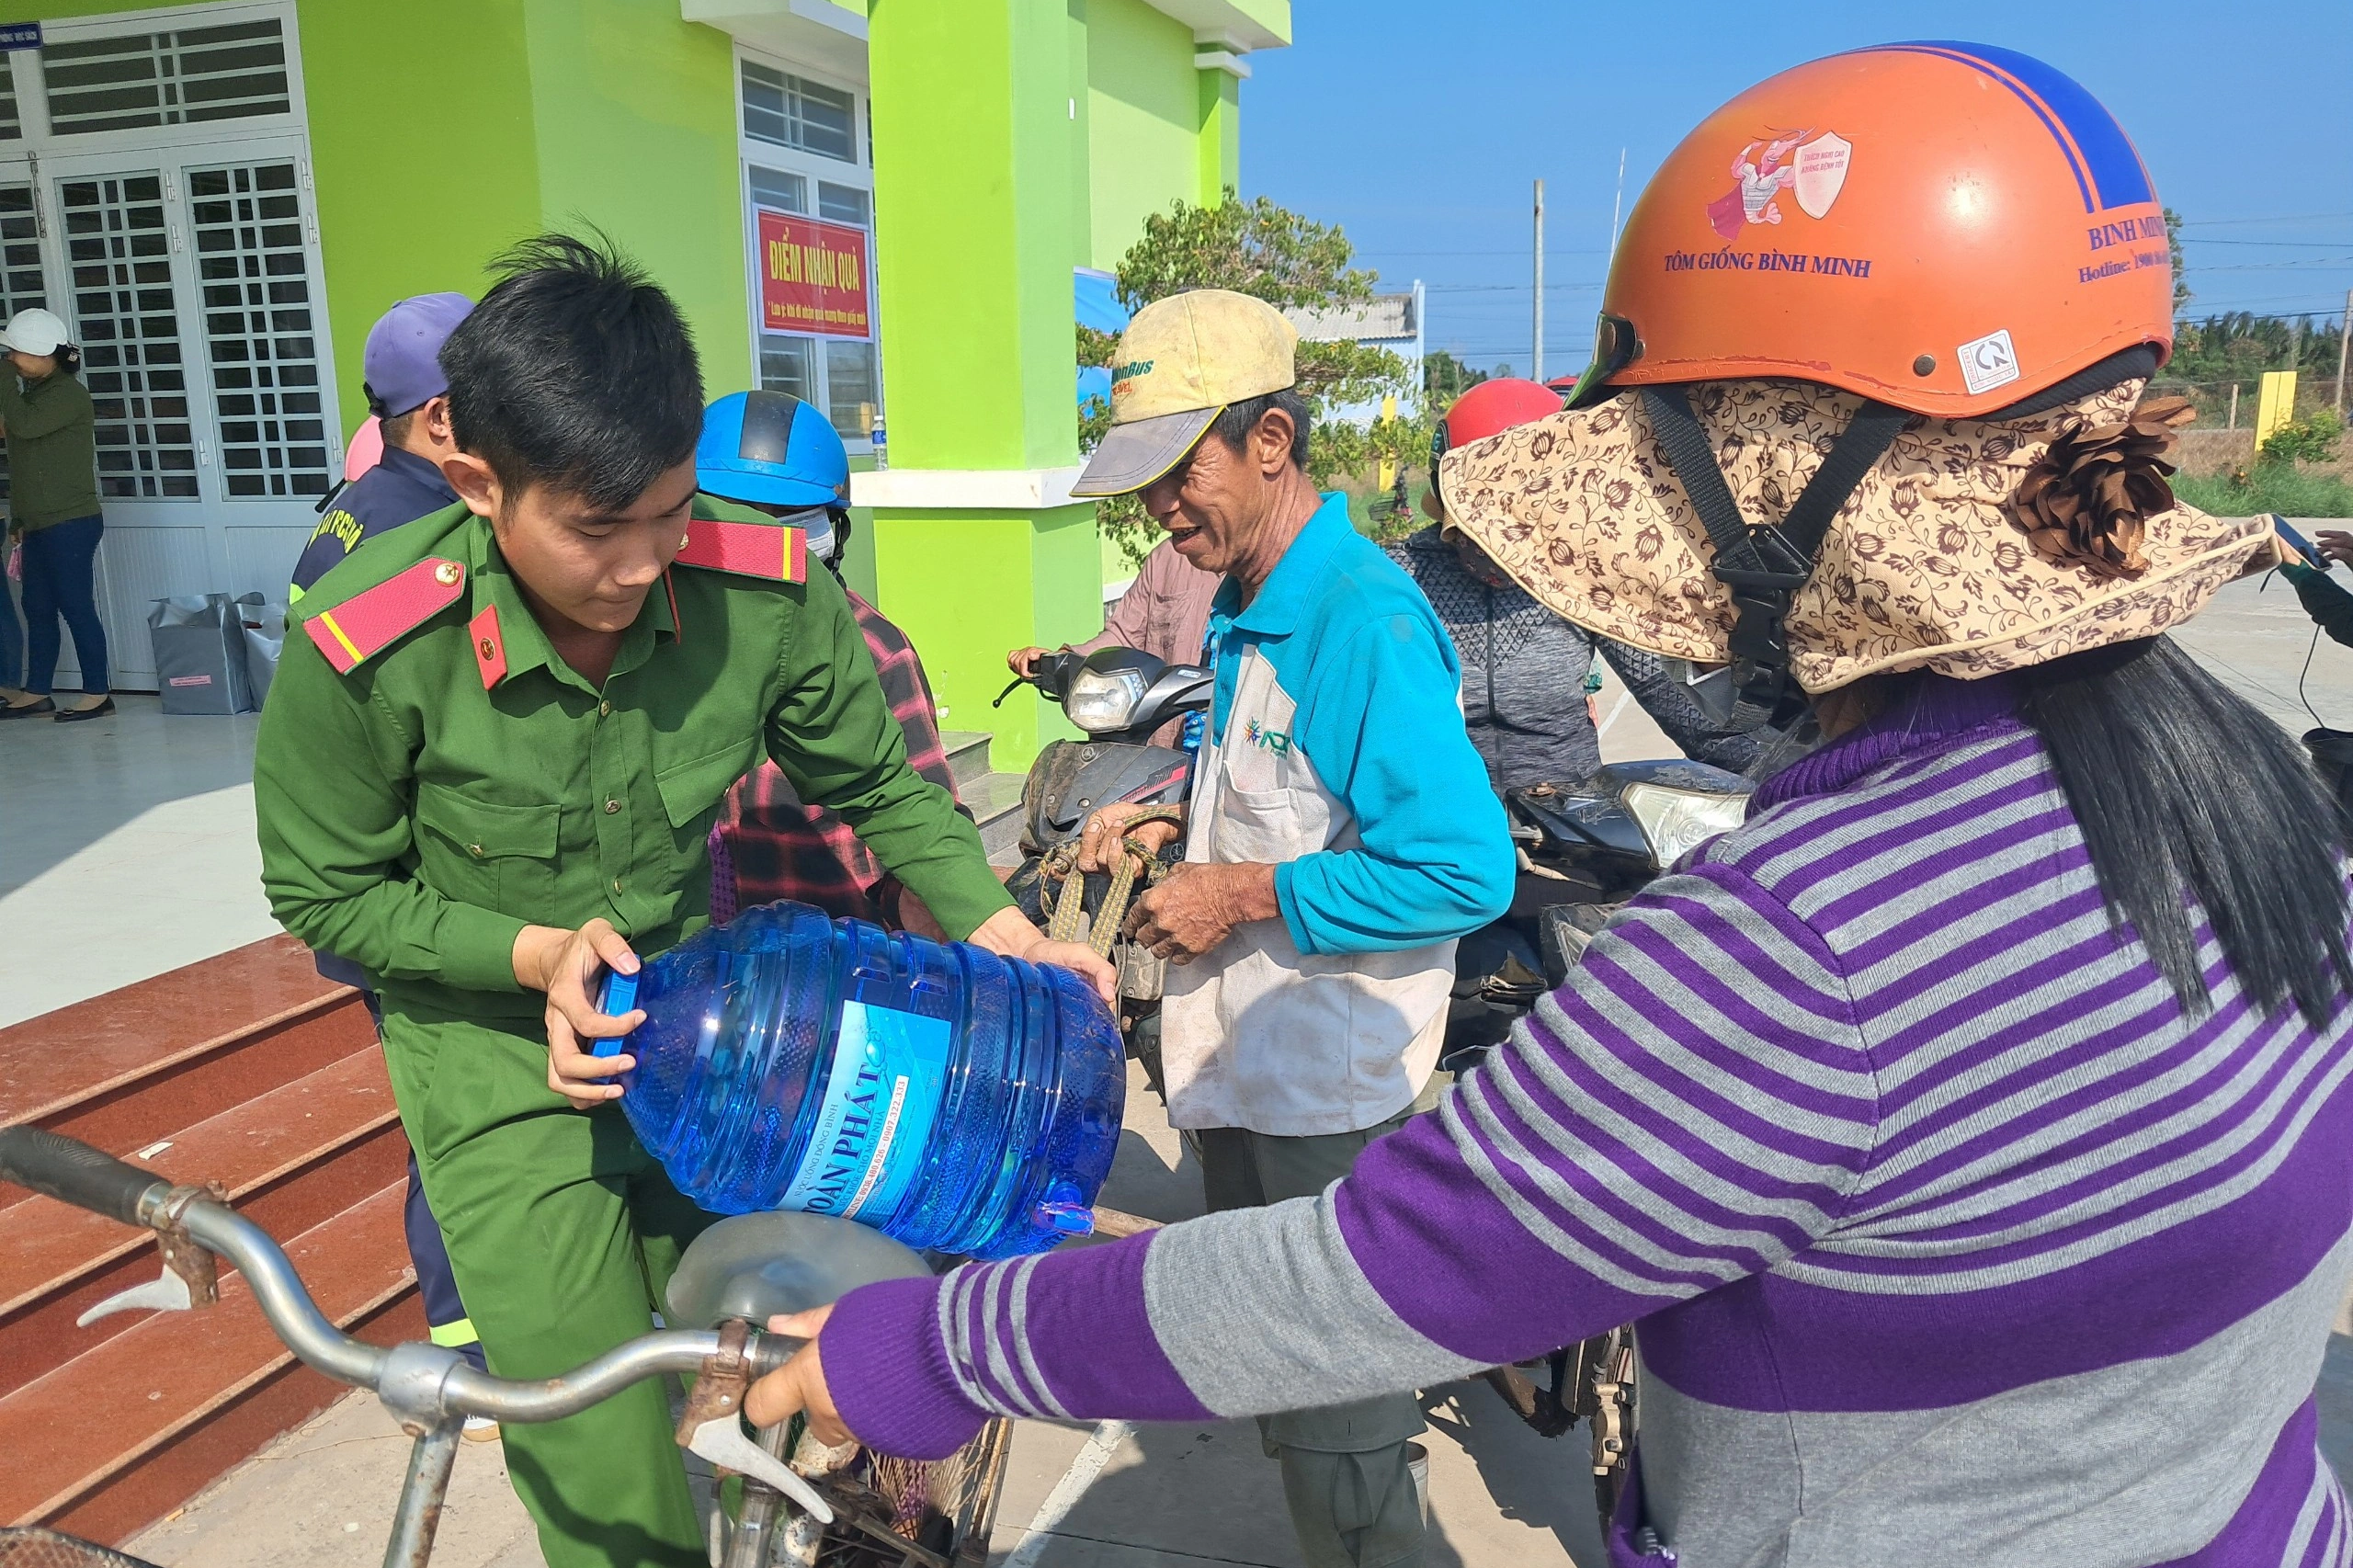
<point>71,1171</point>
<point>414,1378</point>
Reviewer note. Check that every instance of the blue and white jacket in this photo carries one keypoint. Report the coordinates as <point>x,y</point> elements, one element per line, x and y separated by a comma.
<point>1336,751</point>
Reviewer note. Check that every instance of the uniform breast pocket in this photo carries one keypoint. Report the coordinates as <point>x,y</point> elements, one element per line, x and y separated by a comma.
<point>692,790</point>
<point>488,853</point>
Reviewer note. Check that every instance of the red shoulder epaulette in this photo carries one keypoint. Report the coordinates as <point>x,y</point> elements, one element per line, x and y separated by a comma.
<point>367,622</point>
<point>769,551</point>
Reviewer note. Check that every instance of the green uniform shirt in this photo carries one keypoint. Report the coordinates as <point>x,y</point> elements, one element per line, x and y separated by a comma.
<point>52,449</point>
<point>413,822</point>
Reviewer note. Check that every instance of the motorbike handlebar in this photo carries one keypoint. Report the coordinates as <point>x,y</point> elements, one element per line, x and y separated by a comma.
<point>72,1172</point>
<point>425,1380</point>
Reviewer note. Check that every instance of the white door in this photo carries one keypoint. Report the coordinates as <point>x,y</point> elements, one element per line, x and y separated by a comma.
<point>190,279</point>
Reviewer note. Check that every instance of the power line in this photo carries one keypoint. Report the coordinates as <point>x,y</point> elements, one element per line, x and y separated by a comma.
<point>2242,222</point>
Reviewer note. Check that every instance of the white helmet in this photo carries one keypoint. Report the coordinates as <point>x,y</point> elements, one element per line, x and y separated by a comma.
<point>35,332</point>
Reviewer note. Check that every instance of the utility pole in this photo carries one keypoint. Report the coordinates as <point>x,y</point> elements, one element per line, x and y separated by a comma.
<point>2344,342</point>
<point>1537,357</point>
<point>1617,205</point>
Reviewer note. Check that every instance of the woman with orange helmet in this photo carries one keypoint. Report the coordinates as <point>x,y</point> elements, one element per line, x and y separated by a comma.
<point>1968,1133</point>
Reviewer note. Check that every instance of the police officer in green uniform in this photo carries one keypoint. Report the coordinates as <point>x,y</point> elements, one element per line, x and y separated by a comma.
<point>489,764</point>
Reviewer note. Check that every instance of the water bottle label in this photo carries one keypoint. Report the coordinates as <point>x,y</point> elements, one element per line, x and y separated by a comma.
<point>874,1125</point>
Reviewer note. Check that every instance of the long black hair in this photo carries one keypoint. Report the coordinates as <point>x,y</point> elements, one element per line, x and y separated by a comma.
<point>2182,785</point>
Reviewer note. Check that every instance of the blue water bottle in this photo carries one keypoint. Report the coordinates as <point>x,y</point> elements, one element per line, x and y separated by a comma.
<point>949,1097</point>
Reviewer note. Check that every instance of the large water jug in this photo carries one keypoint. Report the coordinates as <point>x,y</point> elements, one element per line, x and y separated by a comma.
<point>949,1097</point>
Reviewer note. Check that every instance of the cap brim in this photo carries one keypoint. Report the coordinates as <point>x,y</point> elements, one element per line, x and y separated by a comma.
<point>1132,456</point>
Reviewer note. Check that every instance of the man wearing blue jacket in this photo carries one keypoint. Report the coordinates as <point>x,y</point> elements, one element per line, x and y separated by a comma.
<point>1339,837</point>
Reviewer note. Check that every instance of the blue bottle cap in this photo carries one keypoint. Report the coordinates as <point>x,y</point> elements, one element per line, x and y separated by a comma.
<point>618,995</point>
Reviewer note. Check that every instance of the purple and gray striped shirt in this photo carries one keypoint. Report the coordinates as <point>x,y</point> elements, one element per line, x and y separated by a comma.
<point>1952,1236</point>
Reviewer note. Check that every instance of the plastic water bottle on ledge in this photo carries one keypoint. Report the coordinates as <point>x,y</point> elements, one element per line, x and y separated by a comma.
<point>947,1097</point>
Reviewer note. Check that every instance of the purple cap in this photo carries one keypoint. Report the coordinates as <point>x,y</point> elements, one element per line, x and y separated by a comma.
<point>403,362</point>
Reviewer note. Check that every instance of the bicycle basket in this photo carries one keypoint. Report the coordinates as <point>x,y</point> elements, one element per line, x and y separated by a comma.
<point>948,1505</point>
<point>47,1549</point>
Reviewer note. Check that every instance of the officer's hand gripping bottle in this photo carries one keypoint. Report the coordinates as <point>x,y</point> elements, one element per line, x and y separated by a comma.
<point>949,1097</point>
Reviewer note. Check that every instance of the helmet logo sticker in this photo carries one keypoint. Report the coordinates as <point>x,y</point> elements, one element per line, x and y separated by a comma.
<point>1813,170</point>
<point>1988,362</point>
<point>1822,172</point>
<point>1760,173</point>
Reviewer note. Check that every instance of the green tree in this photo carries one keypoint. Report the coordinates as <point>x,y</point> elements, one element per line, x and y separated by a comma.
<point>1446,378</point>
<point>2173,246</point>
<point>1259,248</point>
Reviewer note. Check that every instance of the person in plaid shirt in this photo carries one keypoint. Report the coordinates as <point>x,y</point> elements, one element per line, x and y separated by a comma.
<point>772,451</point>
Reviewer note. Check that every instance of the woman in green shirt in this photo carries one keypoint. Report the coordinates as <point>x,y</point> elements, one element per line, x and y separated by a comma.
<point>54,507</point>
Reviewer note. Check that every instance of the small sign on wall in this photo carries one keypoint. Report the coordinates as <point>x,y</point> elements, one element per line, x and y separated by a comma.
<point>813,277</point>
<point>19,35</point>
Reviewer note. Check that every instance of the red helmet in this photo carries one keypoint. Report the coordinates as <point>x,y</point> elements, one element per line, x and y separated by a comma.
<point>1494,406</point>
<point>1488,409</point>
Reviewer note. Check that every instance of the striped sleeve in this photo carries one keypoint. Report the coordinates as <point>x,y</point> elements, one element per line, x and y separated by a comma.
<point>1694,1106</point>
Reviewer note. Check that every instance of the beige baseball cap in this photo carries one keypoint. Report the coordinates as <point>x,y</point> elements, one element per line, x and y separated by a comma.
<point>1182,361</point>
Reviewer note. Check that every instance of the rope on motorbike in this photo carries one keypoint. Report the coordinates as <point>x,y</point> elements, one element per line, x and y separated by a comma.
<point>1139,860</point>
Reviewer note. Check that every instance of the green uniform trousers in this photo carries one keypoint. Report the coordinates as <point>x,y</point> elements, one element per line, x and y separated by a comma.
<point>562,1233</point>
<point>1347,1476</point>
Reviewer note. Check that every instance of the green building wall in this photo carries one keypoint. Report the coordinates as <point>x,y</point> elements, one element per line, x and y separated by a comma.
<point>1144,122</point>
<point>443,130</point>
<point>1015,139</point>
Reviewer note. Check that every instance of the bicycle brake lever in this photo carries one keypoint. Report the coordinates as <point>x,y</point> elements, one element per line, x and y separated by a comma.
<point>168,1293</point>
<point>190,1276</point>
<point>722,1441</point>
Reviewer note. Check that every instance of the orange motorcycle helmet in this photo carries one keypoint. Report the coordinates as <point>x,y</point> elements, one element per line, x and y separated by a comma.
<point>1942,227</point>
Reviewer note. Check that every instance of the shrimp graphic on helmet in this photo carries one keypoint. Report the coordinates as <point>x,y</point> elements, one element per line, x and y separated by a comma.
<point>1762,176</point>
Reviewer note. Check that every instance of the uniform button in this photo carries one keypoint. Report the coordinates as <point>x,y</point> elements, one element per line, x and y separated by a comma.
<point>474,850</point>
<point>617,884</point>
<point>604,709</point>
<point>611,806</point>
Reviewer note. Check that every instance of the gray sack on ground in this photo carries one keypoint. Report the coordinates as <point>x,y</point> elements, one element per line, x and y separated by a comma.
<point>265,630</point>
<point>200,656</point>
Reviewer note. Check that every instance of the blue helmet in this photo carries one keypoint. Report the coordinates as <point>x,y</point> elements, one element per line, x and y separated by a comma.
<point>773,448</point>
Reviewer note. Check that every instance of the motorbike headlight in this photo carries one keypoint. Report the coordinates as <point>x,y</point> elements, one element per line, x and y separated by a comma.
<point>1099,702</point>
<point>1677,820</point>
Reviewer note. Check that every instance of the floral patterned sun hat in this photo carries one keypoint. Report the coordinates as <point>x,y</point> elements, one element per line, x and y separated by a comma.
<point>1973,547</point>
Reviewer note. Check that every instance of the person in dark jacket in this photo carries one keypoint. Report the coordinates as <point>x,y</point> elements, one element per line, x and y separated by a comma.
<point>2324,598</point>
<point>410,396</point>
<point>1525,668</point>
<point>54,513</point>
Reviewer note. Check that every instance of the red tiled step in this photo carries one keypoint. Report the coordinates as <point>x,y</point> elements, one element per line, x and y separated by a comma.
<point>117,1437</point>
<point>133,1066</point>
<point>289,1158</point>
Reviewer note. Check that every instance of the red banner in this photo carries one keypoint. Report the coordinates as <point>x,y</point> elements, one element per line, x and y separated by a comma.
<point>813,277</point>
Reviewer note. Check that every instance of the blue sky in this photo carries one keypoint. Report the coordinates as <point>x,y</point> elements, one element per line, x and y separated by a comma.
<point>1418,127</point>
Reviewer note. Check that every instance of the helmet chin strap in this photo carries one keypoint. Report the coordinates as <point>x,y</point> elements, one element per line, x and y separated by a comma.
<point>1764,564</point>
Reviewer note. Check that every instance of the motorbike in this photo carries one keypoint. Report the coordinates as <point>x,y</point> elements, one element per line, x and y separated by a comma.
<point>1119,696</point>
<point>1584,846</point>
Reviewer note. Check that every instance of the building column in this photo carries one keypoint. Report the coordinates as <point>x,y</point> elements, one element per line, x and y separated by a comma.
<point>978,547</point>
<point>1218,61</point>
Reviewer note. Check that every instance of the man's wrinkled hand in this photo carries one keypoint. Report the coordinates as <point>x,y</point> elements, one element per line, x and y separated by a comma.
<point>1197,905</point>
<point>564,963</point>
<point>1098,845</point>
<point>2334,544</point>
